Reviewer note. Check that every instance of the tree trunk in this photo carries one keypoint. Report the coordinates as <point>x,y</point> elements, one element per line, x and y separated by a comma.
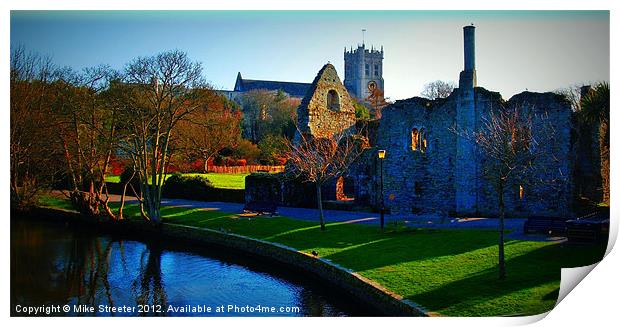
<point>18,198</point>
<point>502,214</point>
<point>604,151</point>
<point>320,205</point>
<point>122,205</point>
<point>143,198</point>
<point>143,213</point>
<point>152,205</point>
<point>107,208</point>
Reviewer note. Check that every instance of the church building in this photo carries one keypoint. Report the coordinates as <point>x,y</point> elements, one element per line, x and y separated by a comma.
<point>363,74</point>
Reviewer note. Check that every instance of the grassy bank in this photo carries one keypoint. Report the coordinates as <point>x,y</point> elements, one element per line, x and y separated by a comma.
<point>219,180</point>
<point>452,272</point>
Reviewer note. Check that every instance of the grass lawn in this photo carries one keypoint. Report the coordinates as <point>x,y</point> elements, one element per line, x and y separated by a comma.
<point>452,272</point>
<point>219,180</point>
<point>113,178</point>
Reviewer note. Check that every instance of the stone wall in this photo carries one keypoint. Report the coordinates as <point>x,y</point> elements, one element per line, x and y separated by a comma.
<point>343,279</point>
<point>443,175</point>
<point>419,181</point>
<point>365,178</point>
<point>263,187</point>
<point>283,191</point>
<point>485,191</point>
<point>313,114</point>
<point>425,181</point>
<point>547,191</point>
<point>587,173</point>
<point>466,164</point>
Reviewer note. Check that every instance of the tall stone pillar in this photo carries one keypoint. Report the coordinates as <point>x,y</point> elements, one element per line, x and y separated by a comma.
<point>468,75</point>
<point>466,170</point>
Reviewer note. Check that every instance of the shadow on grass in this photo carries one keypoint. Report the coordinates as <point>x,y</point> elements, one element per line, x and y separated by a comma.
<point>358,247</point>
<point>453,272</point>
<point>403,247</point>
<point>531,285</point>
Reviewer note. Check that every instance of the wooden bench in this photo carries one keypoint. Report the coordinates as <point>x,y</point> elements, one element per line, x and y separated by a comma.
<point>589,228</point>
<point>261,207</point>
<point>545,225</point>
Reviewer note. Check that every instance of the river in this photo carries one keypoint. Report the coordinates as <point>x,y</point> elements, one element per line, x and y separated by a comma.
<point>59,269</point>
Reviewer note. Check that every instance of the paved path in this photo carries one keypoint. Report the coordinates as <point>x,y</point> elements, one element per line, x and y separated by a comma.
<point>331,216</point>
<point>357,217</point>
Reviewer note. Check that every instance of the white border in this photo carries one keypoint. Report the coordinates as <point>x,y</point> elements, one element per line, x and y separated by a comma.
<point>591,303</point>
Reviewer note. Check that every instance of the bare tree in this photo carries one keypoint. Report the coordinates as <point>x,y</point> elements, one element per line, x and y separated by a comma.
<point>438,89</point>
<point>377,101</point>
<point>61,125</point>
<point>573,95</point>
<point>255,106</point>
<point>160,91</point>
<point>515,153</point>
<point>318,160</point>
<point>87,135</point>
<point>267,112</point>
<point>33,161</point>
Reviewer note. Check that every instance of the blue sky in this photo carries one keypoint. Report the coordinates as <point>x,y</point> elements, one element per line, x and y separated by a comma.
<point>515,50</point>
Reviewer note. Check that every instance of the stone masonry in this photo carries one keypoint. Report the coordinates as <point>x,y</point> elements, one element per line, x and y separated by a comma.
<point>361,67</point>
<point>327,108</point>
<point>429,168</point>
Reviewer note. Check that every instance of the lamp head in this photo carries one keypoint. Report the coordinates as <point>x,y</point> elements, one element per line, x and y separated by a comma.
<point>381,154</point>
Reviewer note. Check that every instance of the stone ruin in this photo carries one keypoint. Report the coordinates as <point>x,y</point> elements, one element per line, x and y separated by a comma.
<point>429,169</point>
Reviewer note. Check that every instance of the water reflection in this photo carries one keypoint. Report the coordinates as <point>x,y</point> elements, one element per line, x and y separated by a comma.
<point>54,264</point>
<point>150,289</point>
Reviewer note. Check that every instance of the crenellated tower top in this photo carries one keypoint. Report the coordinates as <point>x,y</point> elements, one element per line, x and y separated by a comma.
<point>363,70</point>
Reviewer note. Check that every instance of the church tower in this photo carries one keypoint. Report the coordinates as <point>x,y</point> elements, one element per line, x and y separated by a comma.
<point>363,70</point>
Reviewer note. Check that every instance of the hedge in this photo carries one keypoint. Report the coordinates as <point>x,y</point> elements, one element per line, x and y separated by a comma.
<point>196,188</point>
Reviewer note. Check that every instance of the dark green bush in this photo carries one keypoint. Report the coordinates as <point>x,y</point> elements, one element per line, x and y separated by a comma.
<point>180,186</point>
<point>188,187</point>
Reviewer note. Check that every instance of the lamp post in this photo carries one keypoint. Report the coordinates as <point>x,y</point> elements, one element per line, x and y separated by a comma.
<point>381,155</point>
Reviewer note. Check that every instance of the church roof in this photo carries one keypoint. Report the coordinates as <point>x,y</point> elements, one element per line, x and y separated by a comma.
<point>293,89</point>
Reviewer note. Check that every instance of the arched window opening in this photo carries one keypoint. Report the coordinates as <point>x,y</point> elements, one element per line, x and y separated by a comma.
<point>422,138</point>
<point>345,190</point>
<point>415,139</point>
<point>333,100</point>
<point>340,189</point>
<point>521,192</point>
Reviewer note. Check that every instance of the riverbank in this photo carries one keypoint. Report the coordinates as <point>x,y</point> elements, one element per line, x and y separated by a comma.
<point>59,263</point>
<point>450,272</point>
<point>359,288</point>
